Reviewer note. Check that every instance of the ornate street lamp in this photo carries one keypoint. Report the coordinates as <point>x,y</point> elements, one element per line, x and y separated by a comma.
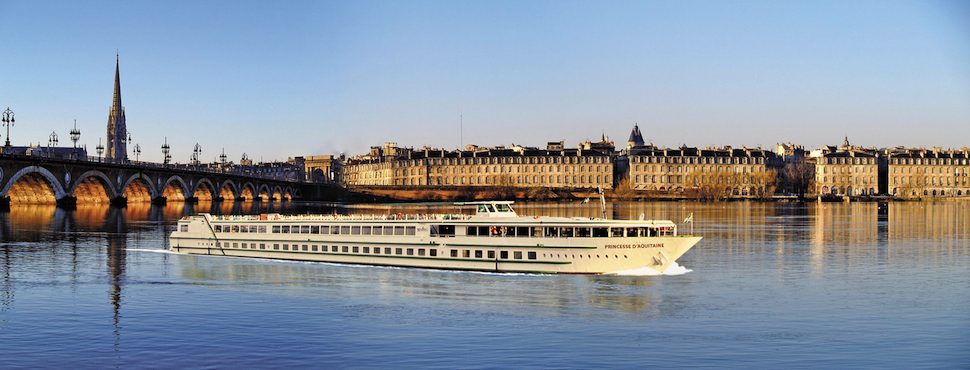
<point>75,136</point>
<point>8,120</point>
<point>51,142</point>
<point>222,157</point>
<point>137,151</point>
<point>165,151</point>
<point>129,140</point>
<point>99,149</point>
<point>195,153</point>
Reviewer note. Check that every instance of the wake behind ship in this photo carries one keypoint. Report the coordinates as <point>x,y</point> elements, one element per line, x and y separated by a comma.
<point>494,239</point>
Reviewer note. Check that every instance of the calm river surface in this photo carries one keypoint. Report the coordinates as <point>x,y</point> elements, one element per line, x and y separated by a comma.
<point>773,285</point>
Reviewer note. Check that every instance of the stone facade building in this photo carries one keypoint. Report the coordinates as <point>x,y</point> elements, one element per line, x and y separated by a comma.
<point>706,173</point>
<point>589,166</point>
<point>848,170</point>
<point>924,173</point>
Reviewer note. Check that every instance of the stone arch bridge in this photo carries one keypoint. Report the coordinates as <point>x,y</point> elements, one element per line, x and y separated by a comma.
<point>67,183</point>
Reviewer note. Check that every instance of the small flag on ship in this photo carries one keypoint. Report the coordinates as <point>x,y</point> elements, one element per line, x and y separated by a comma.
<point>586,200</point>
<point>690,218</point>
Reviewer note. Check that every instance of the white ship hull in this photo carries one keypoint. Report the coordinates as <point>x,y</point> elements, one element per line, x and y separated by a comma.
<point>498,244</point>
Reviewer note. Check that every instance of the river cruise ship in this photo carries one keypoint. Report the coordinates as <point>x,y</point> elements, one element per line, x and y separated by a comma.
<point>495,239</point>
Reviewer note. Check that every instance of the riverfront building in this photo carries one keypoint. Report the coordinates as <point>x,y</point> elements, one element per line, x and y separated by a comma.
<point>848,170</point>
<point>588,166</point>
<point>707,173</point>
<point>929,173</point>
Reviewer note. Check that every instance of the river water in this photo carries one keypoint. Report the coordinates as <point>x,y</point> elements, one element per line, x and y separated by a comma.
<point>772,285</point>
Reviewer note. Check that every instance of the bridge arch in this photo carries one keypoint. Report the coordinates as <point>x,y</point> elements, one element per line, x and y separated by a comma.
<point>277,193</point>
<point>229,190</point>
<point>288,193</point>
<point>204,190</point>
<point>33,185</point>
<point>138,189</point>
<point>93,187</point>
<point>264,193</point>
<point>175,189</point>
<point>248,191</point>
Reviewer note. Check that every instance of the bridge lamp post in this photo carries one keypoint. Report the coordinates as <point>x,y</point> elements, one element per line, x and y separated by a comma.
<point>99,149</point>
<point>75,136</point>
<point>129,140</point>
<point>51,142</point>
<point>137,151</point>
<point>195,153</point>
<point>165,151</point>
<point>8,120</point>
<point>222,158</point>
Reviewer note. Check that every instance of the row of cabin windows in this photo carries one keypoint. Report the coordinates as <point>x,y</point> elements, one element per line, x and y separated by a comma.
<point>322,230</point>
<point>455,253</point>
<point>568,232</point>
<point>240,228</point>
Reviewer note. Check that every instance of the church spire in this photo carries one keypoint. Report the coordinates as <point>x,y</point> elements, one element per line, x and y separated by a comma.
<point>117,148</point>
<point>116,102</point>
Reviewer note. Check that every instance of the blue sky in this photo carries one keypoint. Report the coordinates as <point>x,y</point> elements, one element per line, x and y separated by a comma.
<point>279,79</point>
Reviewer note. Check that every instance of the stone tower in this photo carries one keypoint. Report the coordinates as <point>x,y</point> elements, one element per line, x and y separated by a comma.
<point>117,146</point>
<point>636,139</point>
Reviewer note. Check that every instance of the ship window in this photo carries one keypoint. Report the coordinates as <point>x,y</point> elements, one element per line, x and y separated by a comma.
<point>466,253</point>
<point>532,255</point>
<point>305,229</point>
<point>566,232</point>
<point>454,253</point>
<point>410,251</point>
<point>433,252</point>
<point>478,254</point>
<point>398,230</point>
<point>388,230</point>
<point>503,208</point>
<point>218,228</point>
<point>632,232</point>
<point>377,230</point>
<point>365,230</point>
<point>314,229</point>
<point>482,209</point>
<point>522,231</point>
<point>285,229</point>
<point>490,208</point>
<point>537,232</point>
<point>483,230</point>
<point>335,230</point>
<point>552,232</point>
<point>235,228</point>
<point>276,229</point>
<point>356,249</point>
<point>421,252</point>
<point>616,232</point>
<point>262,246</point>
<point>409,230</point>
<point>583,232</point>
<point>443,230</point>
<point>313,248</point>
<point>276,247</point>
<point>345,230</point>
<point>491,254</point>
<point>471,231</point>
<point>262,229</point>
<point>503,255</point>
<point>355,230</point>
<point>387,250</point>
<point>398,251</point>
<point>518,255</point>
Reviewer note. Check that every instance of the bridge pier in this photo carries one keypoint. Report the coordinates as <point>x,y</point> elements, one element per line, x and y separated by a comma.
<point>67,202</point>
<point>161,201</point>
<point>192,200</point>
<point>119,202</point>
